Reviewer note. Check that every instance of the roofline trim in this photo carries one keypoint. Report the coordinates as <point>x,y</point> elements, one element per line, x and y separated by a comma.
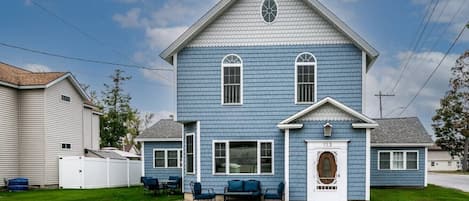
<point>158,139</point>
<point>401,144</point>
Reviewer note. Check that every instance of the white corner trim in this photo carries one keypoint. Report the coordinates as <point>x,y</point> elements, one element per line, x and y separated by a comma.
<point>198,152</point>
<point>363,83</point>
<point>315,64</point>
<point>401,144</point>
<point>425,161</point>
<point>142,151</point>
<point>158,139</point>
<point>175,85</point>
<point>183,157</point>
<point>289,126</point>
<point>368,164</point>
<point>364,125</point>
<point>287,164</point>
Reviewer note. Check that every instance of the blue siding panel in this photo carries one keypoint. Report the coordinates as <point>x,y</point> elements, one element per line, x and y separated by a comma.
<point>410,178</point>
<point>160,173</point>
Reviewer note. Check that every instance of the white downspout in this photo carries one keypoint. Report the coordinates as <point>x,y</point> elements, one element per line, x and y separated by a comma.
<point>287,164</point>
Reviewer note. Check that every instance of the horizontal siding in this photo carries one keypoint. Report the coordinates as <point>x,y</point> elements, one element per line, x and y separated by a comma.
<point>9,163</point>
<point>63,124</point>
<point>313,130</point>
<point>411,178</point>
<point>242,25</point>
<point>95,138</point>
<point>87,132</point>
<point>160,173</point>
<point>31,135</point>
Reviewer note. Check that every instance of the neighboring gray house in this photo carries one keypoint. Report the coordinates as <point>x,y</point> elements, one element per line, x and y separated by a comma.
<point>441,160</point>
<point>43,116</point>
<point>162,149</point>
<point>399,149</point>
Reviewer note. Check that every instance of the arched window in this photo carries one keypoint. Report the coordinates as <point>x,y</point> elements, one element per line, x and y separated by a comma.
<point>305,78</point>
<point>232,80</point>
<point>269,10</point>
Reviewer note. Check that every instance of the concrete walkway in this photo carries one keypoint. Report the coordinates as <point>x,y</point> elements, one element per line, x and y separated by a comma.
<point>460,182</point>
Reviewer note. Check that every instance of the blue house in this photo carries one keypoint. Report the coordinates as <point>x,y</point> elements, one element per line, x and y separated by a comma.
<point>161,149</point>
<point>273,90</point>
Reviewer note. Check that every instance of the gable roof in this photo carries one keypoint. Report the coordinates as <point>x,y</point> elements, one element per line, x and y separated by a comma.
<point>223,5</point>
<point>400,131</point>
<point>163,130</point>
<point>19,78</point>
<point>366,122</point>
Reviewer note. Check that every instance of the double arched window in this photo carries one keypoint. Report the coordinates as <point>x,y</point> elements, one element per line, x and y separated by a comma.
<point>305,78</point>
<point>232,80</point>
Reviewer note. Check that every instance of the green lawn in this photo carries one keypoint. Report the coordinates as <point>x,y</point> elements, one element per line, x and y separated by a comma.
<point>432,193</point>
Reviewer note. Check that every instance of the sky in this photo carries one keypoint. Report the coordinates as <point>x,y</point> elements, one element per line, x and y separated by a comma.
<point>136,31</point>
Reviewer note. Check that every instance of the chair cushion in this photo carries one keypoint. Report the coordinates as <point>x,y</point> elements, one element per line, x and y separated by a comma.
<point>197,188</point>
<point>272,196</point>
<point>235,186</point>
<point>251,186</point>
<point>280,188</point>
<point>204,196</point>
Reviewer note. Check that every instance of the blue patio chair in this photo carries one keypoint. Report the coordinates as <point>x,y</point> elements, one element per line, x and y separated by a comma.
<point>151,184</point>
<point>174,184</point>
<point>275,194</point>
<point>197,192</point>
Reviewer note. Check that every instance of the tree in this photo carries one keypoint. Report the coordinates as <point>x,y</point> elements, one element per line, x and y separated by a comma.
<point>118,113</point>
<point>451,122</point>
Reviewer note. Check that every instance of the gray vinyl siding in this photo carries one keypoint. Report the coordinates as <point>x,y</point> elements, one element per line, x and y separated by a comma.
<point>63,124</point>
<point>160,173</point>
<point>407,178</point>
<point>9,163</point>
<point>87,128</point>
<point>95,132</point>
<point>242,25</point>
<point>31,135</point>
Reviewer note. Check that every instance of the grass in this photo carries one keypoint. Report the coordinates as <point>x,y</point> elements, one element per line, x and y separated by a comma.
<point>431,193</point>
<point>112,194</point>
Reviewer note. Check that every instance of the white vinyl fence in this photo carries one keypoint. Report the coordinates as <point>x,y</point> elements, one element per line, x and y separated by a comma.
<point>78,172</point>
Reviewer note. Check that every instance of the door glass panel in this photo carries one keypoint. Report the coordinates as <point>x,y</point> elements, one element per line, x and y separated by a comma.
<point>327,168</point>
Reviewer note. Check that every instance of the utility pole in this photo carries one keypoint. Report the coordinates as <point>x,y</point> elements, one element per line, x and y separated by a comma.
<point>380,95</point>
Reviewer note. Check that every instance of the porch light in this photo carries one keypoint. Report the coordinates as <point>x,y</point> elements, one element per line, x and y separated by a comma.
<point>327,130</point>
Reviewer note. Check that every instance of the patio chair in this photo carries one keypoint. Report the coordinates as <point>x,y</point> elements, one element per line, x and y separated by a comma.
<point>174,184</point>
<point>151,184</point>
<point>275,193</point>
<point>197,192</point>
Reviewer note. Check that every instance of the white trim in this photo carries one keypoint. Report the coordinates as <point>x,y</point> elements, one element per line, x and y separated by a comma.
<point>183,158</point>
<point>142,152</point>
<point>364,83</point>
<point>193,153</point>
<point>287,164</point>
<point>315,64</point>
<point>198,155</point>
<point>289,126</point>
<point>368,164</point>
<point>165,150</point>
<point>262,17</point>
<point>158,139</point>
<point>333,102</point>
<point>401,144</point>
<point>391,160</point>
<point>175,85</point>
<point>426,167</point>
<point>335,141</point>
<point>227,157</point>
<point>364,125</point>
<point>240,79</point>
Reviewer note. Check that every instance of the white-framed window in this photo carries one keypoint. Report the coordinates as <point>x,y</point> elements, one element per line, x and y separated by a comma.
<point>190,153</point>
<point>269,11</point>
<point>244,157</point>
<point>65,98</point>
<point>66,146</point>
<point>305,78</point>
<point>167,158</point>
<point>232,80</point>
<point>398,160</point>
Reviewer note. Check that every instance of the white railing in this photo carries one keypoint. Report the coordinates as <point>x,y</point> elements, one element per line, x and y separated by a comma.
<point>78,172</point>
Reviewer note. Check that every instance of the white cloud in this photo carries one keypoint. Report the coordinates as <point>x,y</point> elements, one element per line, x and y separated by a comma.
<point>160,38</point>
<point>37,68</point>
<point>129,20</point>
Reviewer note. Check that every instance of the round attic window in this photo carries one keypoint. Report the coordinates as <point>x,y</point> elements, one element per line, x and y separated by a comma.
<point>269,10</point>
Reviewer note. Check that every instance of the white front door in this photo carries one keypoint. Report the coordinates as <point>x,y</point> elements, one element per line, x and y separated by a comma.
<point>327,170</point>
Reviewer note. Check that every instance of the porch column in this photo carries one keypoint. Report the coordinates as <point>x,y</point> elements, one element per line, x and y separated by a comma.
<point>287,164</point>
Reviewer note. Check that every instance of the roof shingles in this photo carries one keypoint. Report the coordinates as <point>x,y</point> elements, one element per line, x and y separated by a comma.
<point>20,77</point>
<point>408,130</point>
<point>163,129</point>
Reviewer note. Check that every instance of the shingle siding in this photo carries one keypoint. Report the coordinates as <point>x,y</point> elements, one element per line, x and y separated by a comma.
<point>9,163</point>
<point>160,173</point>
<point>411,178</point>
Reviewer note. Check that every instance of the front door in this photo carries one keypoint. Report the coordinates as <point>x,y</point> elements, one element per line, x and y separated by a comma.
<point>327,170</point>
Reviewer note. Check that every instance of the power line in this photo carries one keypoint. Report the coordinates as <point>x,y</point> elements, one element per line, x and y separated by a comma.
<point>406,65</point>
<point>82,59</point>
<point>434,70</point>
<point>380,96</point>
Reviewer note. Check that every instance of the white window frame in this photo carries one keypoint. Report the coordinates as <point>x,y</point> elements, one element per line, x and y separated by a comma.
<point>241,96</point>
<point>315,77</point>
<point>166,157</point>
<point>227,152</point>
<point>262,17</point>
<point>391,160</point>
<point>193,153</point>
